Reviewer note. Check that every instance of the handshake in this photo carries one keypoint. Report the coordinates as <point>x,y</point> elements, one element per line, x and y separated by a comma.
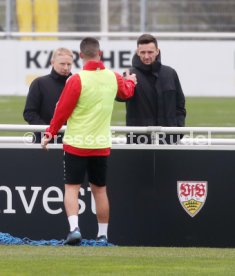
<point>128,76</point>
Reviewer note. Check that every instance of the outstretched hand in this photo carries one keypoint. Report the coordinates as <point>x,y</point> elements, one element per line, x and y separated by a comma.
<point>44,142</point>
<point>129,76</point>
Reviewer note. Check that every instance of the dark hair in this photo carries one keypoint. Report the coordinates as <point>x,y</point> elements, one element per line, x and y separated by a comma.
<point>146,39</point>
<point>90,47</point>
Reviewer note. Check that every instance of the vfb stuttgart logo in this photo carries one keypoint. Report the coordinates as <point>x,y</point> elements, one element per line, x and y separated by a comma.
<point>192,195</point>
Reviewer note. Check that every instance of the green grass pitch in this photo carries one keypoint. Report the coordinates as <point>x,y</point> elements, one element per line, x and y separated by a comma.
<point>200,111</point>
<point>32,260</point>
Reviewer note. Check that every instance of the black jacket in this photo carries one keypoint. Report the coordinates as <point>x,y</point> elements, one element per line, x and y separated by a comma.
<point>158,98</point>
<point>44,93</point>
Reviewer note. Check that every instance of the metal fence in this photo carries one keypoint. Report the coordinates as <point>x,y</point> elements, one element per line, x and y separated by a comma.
<point>197,138</point>
<point>134,15</point>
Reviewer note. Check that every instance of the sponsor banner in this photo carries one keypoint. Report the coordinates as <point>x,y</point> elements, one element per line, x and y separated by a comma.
<point>205,68</point>
<point>51,199</point>
<point>145,209</point>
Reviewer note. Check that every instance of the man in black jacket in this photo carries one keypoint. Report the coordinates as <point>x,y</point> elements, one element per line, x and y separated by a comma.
<point>45,91</point>
<point>158,99</point>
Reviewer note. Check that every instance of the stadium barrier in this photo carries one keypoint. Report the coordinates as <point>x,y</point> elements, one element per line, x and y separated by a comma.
<point>123,140</point>
<point>134,35</point>
<point>160,195</point>
<point>204,135</point>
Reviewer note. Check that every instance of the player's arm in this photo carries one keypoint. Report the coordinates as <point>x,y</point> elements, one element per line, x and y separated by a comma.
<point>126,85</point>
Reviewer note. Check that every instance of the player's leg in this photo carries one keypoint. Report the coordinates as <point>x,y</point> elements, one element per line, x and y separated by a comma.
<point>102,211</point>
<point>74,172</point>
<point>97,170</point>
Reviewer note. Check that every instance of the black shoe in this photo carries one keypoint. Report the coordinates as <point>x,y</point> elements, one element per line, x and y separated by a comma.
<point>102,239</point>
<point>73,237</point>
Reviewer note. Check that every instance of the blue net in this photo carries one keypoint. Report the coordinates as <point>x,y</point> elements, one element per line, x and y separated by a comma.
<point>7,239</point>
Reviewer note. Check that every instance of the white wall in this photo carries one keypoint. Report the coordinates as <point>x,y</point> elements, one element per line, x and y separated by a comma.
<point>205,68</point>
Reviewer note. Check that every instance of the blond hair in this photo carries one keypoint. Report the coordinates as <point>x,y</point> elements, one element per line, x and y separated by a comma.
<point>60,52</point>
